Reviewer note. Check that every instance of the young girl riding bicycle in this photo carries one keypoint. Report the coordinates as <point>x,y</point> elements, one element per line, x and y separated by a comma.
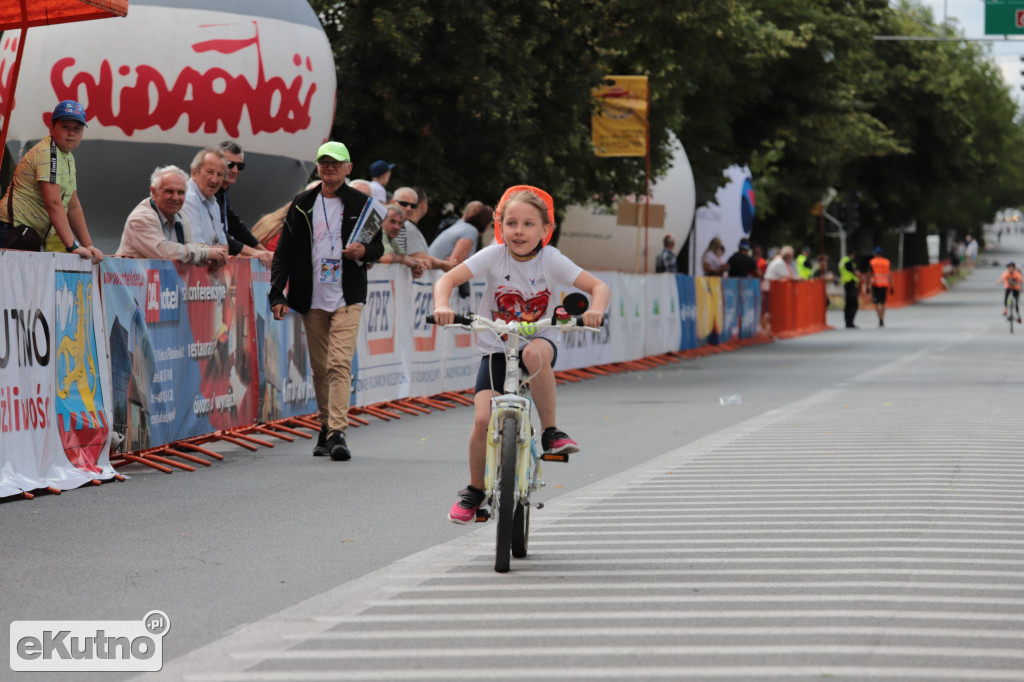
<point>521,273</point>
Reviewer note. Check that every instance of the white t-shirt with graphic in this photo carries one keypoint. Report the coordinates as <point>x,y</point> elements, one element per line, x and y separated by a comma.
<point>327,258</point>
<point>520,290</point>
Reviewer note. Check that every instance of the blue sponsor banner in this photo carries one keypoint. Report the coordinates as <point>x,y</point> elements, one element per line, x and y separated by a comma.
<point>286,378</point>
<point>152,382</point>
<point>730,309</point>
<point>750,307</point>
<point>182,349</point>
<point>81,413</point>
<point>687,311</point>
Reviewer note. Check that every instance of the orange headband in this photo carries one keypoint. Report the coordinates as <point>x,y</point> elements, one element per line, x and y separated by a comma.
<point>514,190</point>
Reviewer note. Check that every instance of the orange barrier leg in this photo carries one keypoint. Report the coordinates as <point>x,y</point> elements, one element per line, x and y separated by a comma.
<point>143,460</point>
<point>270,432</point>
<point>465,397</point>
<point>185,455</point>
<point>237,441</point>
<point>403,406</point>
<point>287,429</point>
<point>193,446</point>
<point>250,439</point>
<point>171,462</point>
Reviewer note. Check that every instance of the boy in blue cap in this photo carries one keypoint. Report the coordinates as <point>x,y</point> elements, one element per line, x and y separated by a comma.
<point>44,192</point>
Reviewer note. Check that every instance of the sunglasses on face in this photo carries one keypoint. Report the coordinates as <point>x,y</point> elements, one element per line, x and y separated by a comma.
<point>327,162</point>
<point>240,165</point>
<point>407,204</point>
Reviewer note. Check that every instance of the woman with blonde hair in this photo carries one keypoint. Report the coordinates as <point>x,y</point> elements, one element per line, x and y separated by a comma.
<point>268,228</point>
<point>712,262</point>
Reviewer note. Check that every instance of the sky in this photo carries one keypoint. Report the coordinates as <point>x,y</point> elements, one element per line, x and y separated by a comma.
<point>969,16</point>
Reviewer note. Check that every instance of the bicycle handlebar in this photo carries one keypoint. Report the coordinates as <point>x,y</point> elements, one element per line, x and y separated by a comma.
<point>459,319</point>
<point>473,322</point>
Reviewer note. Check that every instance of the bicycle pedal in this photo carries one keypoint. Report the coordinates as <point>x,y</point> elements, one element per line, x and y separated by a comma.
<point>555,457</point>
<point>482,515</point>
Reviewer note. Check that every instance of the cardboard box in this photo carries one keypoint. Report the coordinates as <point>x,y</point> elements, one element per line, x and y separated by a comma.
<point>635,215</point>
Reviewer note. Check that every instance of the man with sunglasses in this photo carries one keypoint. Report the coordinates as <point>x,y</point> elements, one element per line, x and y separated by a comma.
<point>326,284</point>
<point>240,240</point>
<point>410,238</point>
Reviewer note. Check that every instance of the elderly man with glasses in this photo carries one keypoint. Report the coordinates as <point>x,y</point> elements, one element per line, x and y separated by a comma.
<point>326,284</point>
<point>240,239</point>
<point>411,238</point>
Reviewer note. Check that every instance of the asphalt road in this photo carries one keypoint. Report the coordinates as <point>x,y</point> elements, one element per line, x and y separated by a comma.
<point>860,515</point>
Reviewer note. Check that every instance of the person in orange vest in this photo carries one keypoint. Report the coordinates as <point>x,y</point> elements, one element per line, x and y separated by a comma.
<point>1011,280</point>
<point>881,283</point>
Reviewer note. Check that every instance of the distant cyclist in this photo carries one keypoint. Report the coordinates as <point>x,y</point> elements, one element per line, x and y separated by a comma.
<point>1011,280</point>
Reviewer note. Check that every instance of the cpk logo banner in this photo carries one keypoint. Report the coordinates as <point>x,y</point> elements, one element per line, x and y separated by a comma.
<point>165,75</point>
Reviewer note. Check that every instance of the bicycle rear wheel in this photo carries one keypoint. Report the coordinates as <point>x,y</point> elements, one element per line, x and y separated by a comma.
<point>506,493</point>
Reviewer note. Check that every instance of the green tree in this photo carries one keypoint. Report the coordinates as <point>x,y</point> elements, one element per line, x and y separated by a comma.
<point>471,97</point>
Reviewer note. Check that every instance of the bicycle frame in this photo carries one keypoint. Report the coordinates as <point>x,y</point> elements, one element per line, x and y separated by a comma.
<point>514,402</point>
<point>1011,301</point>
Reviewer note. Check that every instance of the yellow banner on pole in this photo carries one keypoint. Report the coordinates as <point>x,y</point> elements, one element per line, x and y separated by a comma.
<point>619,123</point>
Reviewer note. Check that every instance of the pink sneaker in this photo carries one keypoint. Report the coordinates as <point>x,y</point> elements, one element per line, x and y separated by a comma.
<point>555,442</point>
<point>464,510</point>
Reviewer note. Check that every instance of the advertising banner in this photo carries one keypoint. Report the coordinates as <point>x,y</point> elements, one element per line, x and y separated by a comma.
<point>625,315</point>
<point>709,310</point>
<point>730,216</point>
<point>750,307</point>
<point>426,350</point>
<point>27,391</point>
<point>183,349</point>
<point>380,371</point>
<point>286,378</point>
<point>582,348</point>
<point>174,76</point>
<point>619,122</point>
<point>457,350</point>
<point>663,321</point>
<point>730,309</point>
<point>54,374</point>
<point>687,290</point>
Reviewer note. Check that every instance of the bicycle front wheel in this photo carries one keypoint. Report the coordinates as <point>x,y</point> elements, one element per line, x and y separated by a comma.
<point>520,530</point>
<point>506,492</point>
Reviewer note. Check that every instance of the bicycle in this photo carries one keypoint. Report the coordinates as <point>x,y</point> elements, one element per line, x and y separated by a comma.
<point>512,467</point>
<point>1012,311</point>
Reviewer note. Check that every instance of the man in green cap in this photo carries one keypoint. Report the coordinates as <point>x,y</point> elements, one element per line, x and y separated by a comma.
<point>326,284</point>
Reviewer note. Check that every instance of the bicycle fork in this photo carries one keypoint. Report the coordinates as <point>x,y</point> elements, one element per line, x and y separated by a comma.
<point>527,459</point>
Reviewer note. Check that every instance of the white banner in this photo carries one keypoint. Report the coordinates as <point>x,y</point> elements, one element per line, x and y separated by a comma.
<point>461,357</point>
<point>626,319</point>
<point>427,349</point>
<point>584,349</point>
<point>664,326</point>
<point>381,366</point>
<point>54,374</point>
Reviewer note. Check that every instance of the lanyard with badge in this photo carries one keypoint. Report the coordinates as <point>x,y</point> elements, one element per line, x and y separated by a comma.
<point>330,268</point>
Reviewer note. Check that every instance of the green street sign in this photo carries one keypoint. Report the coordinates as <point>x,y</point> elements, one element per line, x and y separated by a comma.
<point>1004,17</point>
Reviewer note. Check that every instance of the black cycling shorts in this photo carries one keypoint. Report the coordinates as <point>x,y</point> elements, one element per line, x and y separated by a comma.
<point>878,295</point>
<point>493,367</point>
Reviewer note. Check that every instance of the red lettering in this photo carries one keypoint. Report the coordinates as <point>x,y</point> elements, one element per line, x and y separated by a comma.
<point>7,73</point>
<point>207,100</point>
